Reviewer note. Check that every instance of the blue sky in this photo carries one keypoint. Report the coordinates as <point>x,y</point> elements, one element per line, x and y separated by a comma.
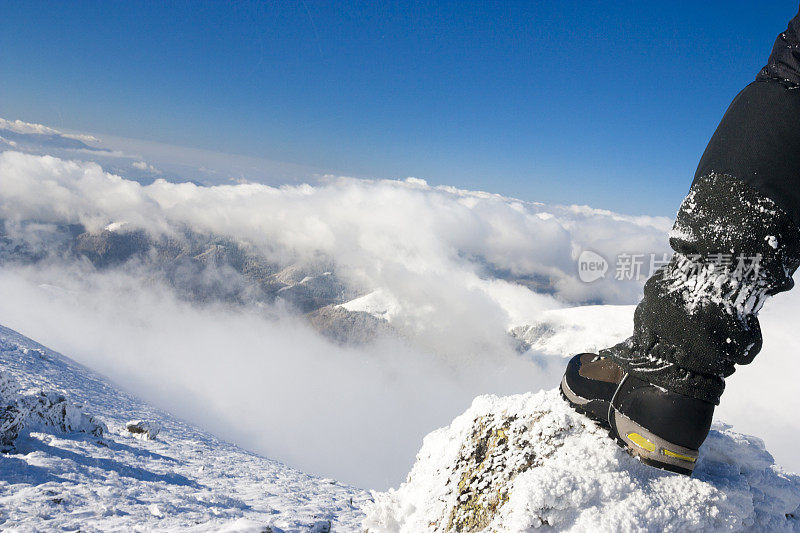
<point>599,103</point>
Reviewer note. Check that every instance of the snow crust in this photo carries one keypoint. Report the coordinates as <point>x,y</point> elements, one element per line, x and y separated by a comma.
<point>522,462</point>
<point>63,473</point>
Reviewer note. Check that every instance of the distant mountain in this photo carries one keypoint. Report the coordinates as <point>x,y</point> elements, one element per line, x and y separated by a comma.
<point>19,140</point>
<point>199,267</point>
<point>206,268</point>
<point>348,327</point>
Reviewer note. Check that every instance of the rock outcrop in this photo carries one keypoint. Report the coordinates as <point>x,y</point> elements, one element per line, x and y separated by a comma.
<point>143,429</point>
<point>522,462</point>
<point>45,410</point>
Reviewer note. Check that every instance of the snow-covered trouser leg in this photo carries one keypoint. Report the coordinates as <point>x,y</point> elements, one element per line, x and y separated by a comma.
<point>736,241</point>
<point>733,248</point>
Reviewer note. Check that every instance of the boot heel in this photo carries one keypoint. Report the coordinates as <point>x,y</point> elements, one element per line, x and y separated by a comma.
<point>650,448</point>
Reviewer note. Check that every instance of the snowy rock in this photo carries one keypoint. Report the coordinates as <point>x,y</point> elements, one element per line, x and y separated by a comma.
<point>322,526</point>
<point>142,429</point>
<point>348,327</point>
<point>43,411</point>
<point>527,461</point>
<point>156,511</point>
<point>9,389</point>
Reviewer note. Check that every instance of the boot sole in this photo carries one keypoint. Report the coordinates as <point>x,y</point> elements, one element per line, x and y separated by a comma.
<point>650,448</point>
<point>595,409</point>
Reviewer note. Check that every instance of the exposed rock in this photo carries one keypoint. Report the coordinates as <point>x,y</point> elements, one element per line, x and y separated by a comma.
<point>40,411</point>
<point>528,461</point>
<point>143,429</point>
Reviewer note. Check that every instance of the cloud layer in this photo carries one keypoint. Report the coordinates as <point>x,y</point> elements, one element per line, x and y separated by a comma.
<point>377,230</point>
<point>457,266</point>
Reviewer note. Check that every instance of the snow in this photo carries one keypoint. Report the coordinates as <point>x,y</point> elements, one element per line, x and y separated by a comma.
<point>527,461</point>
<point>69,478</point>
<point>115,226</point>
<point>378,303</point>
<point>772,240</point>
<point>740,292</point>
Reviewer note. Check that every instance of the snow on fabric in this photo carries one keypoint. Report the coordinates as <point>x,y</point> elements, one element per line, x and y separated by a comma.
<point>67,477</point>
<point>528,461</point>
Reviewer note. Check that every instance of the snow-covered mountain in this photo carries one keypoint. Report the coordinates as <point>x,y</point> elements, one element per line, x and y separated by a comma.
<point>81,454</point>
<point>76,466</point>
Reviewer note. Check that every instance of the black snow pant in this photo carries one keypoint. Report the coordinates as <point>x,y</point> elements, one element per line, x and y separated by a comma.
<point>736,240</point>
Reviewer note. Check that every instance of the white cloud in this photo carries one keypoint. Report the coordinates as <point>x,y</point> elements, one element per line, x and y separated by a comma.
<point>353,413</point>
<point>19,126</point>
<point>81,137</point>
<point>276,387</point>
<point>377,231</point>
<point>7,141</point>
<point>143,165</point>
<point>438,254</point>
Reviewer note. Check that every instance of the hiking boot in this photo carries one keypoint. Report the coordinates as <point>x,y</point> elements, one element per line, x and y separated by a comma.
<point>589,385</point>
<point>662,428</point>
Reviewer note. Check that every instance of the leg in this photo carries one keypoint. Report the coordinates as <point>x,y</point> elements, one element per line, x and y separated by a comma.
<point>698,316</point>
<point>736,241</point>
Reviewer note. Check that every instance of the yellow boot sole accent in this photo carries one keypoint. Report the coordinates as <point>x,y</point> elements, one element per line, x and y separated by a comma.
<point>670,453</point>
<point>642,442</point>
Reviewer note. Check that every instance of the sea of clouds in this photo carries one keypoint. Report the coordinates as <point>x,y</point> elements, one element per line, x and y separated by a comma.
<point>450,259</point>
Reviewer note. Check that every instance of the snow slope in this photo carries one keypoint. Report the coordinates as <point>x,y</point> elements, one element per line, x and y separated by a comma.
<point>527,461</point>
<point>507,464</point>
<point>183,479</point>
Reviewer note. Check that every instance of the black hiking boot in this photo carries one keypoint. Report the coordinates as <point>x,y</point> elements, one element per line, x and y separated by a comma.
<point>589,385</point>
<point>662,428</point>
